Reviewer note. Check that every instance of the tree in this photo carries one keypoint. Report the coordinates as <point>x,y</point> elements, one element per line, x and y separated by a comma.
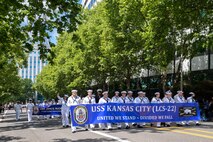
<point>25,23</point>
<point>175,28</point>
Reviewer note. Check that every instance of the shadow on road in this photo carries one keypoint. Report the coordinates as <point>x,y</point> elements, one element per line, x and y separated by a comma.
<point>9,138</point>
<point>84,140</point>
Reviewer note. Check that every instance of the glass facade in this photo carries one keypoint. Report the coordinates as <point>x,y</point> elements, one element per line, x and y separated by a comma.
<point>34,66</point>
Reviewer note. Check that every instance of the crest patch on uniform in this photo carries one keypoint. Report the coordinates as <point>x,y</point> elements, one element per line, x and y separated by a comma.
<point>35,110</point>
<point>80,114</point>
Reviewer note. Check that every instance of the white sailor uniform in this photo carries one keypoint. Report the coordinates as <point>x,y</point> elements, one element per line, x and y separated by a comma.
<point>103,101</point>
<point>73,101</point>
<point>89,100</point>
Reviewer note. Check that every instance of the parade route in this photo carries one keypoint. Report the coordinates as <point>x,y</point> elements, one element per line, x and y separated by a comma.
<point>51,131</point>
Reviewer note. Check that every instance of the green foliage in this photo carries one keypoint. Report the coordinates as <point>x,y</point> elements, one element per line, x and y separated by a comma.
<point>24,23</point>
<point>117,38</point>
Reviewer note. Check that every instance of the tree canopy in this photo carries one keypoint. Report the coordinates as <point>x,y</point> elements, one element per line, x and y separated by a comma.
<point>117,38</point>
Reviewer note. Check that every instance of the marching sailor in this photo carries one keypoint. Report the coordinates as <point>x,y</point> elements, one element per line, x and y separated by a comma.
<point>116,98</point>
<point>123,99</point>
<point>98,95</point>
<point>157,99</point>
<point>74,99</point>
<point>192,100</point>
<point>89,99</point>
<point>168,99</point>
<point>17,108</point>
<point>145,100</point>
<point>64,110</point>
<point>29,108</point>
<point>103,100</point>
<point>179,98</point>
<point>130,99</point>
<point>139,100</point>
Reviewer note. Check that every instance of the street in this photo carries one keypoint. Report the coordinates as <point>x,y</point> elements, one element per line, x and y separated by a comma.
<point>51,131</point>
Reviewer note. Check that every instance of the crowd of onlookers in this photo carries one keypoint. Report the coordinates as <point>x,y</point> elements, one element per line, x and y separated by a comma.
<point>206,108</point>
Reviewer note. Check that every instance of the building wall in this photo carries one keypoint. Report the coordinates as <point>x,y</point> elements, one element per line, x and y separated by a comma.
<point>198,63</point>
<point>34,66</point>
<point>89,3</point>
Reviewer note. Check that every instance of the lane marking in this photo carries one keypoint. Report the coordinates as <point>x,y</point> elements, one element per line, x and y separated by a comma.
<point>188,133</point>
<point>109,136</point>
<point>190,129</point>
<point>3,115</point>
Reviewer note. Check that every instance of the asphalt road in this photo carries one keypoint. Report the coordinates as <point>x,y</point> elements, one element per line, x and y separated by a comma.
<point>51,131</point>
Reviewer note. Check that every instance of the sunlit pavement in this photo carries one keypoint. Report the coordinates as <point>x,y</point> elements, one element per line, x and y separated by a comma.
<point>51,131</point>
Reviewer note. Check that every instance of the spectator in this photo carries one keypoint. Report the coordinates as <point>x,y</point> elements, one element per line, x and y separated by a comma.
<point>210,112</point>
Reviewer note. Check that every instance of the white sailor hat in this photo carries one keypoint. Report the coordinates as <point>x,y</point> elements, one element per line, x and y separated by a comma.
<point>168,92</point>
<point>74,91</point>
<point>89,91</point>
<point>105,92</point>
<point>117,92</point>
<point>65,95</point>
<point>123,92</point>
<point>156,93</point>
<point>130,92</point>
<point>191,93</point>
<point>140,92</point>
<point>30,99</point>
<point>99,90</point>
<point>179,91</point>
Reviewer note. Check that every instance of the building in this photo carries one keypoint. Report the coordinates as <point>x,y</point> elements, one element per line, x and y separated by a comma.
<point>34,66</point>
<point>89,3</point>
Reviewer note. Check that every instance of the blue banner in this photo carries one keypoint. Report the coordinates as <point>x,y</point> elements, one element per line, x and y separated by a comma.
<point>117,113</point>
<point>47,110</point>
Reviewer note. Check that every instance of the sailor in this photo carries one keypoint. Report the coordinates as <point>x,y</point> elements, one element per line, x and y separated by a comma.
<point>123,99</point>
<point>157,99</point>
<point>116,98</point>
<point>130,99</point>
<point>89,99</point>
<point>192,100</point>
<point>74,99</point>
<point>139,100</point>
<point>179,98</point>
<point>145,100</point>
<point>64,110</point>
<point>98,95</point>
<point>168,99</point>
<point>17,108</point>
<point>29,108</point>
<point>103,100</point>
<point>45,105</point>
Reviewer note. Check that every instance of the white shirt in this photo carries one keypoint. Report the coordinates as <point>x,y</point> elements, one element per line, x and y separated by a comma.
<point>156,100</point>
<point>140,100</point>
<point>17,107</point>
<point>116,99</point>
<point>104,100</point>
<point>190,100</point>
<point>179,99</point>
<point>130,99</point>
<point>89,100</point>
<point>63,103</point>
<point>123,100</point>
<point>144,100</point>
<point>30,106</point>
<point>73,100</point>
<point>168,100</point>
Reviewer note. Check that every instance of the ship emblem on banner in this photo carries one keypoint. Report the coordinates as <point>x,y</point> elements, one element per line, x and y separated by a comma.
<point>80,114</point>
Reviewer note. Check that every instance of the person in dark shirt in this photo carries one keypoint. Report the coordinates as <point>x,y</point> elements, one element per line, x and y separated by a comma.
<point>98,95</point>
